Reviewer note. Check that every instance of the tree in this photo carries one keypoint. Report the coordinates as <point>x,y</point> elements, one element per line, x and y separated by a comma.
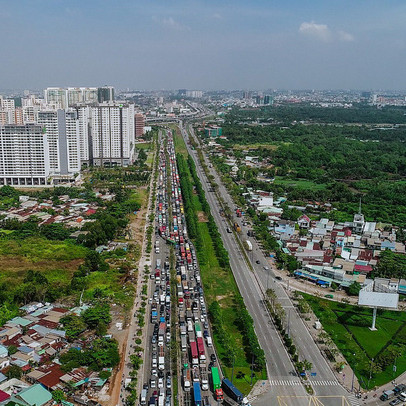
<point>12,349</point>
<point>307,365</point>
<point>14,372</point>
<point>58,396</point>
<point>354,288</point>
<point>100,313</point>
<point>74,326</point>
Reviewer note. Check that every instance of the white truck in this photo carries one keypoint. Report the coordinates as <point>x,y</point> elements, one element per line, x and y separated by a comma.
<point>248,245</point>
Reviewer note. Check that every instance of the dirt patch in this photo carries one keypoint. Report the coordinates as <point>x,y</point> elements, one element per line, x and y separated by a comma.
<point>202,217</point>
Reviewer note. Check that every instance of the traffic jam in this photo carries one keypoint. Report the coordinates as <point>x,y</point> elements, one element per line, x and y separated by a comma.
<point>199,374</point>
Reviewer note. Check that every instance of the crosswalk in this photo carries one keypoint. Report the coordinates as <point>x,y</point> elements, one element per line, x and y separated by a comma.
<point>352,400</point>
<point>282,382</point>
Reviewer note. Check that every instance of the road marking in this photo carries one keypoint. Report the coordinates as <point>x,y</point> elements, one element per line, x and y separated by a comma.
<point>282,382</point>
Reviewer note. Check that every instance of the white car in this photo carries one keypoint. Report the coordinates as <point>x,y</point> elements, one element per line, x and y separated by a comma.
<point>202,318</point>
<point>154,372</point>
<point>160,383</point>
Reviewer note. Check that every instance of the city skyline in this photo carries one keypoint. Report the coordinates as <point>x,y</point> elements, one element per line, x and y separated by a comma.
<point>204,45</point>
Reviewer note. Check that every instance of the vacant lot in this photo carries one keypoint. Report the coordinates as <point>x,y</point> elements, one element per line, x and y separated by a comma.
<point>368,352</point>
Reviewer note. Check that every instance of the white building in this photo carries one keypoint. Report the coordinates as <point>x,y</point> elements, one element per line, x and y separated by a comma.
<point>24,159</point>
<point>107,134</point>
<point>62,130</point>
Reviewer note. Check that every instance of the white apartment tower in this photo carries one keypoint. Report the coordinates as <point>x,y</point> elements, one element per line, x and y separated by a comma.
<point>62,130</point>
<point>107,134</point>
<point>24,159</point>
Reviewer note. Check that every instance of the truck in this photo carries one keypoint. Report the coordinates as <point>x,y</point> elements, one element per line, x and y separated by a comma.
<point>154,315</point>
<point>161,358</point>
<point>197,396</point>
<point>248,245</point>
<point>186,379</point>
<point>198,329</point>
<point>183,343</point>
<point>200,348</point>
<point>232,391</point>
<point>387,394</point>
<point>161,333</point>
<point>218,391</point>
<point>196,375</point>
<point>204,379</point>
<point>143,397</point>
<point>194,353</point>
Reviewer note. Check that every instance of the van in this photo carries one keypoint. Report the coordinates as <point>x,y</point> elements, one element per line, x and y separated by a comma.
<point>157,250</point>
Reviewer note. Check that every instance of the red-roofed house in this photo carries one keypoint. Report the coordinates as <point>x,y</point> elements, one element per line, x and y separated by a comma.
<point>304,221</point>
<point>364,269</point>
<point>3,396</point>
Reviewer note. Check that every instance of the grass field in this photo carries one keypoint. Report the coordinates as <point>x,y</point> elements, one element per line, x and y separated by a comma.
<point>348,327</point>
<point>299,183</point>
<point>255,146</point>
<point>180,145</point>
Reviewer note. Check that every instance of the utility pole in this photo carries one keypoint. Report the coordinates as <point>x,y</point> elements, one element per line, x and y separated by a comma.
<point>232,371</point>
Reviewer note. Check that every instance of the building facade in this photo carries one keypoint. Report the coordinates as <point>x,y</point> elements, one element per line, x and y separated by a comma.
<point>107,134</point>
<point>24,159</point>
<point>62,130</point>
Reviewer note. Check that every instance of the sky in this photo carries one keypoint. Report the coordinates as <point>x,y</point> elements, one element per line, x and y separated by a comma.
<point>208,45</point>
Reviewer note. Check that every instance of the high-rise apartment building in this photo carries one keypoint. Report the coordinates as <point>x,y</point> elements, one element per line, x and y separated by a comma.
<point>139,122</point>
<point>105,94</point>
<point>24,159</point>
<point>107,134</point>
<point>56,97</point>
<point>62,130</point>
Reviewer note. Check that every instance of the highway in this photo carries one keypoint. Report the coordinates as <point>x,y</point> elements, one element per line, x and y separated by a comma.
<point>252,285</point>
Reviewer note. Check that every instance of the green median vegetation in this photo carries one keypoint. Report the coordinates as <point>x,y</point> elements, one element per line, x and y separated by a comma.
<point>371,354</point>
<point>233,332</point>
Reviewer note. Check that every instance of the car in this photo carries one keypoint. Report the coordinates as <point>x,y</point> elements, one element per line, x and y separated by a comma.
<point>202,318</point>
<point>206,325</point>
<point>329,296</point>
<point>205,334</point>
<point>168,382</point>
<point>266,268</point>
<point>153,339</point>
<point>213,358</point>
<point>257,261</point>
<point>160,383</point>
<point>152,383</point>
<point>278,278</point>
<point>395,402</point>
<point>154,372</point>
<point>228,230</point>
<point>160,374</point>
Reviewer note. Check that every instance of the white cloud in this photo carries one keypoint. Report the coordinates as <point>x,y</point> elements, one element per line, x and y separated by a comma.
<point>345,36</point>
<point>318,31</point>
<point>169,22</point>
<point>217,16</point>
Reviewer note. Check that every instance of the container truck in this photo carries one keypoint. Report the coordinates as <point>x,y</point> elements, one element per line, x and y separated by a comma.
<point>194,353</point>
<point>232,391</point>
<point>218,391</point>
<point>161,334</point>
<point>161,358</point>
<point>183,343</point>
<point>186,379</point>
<point>197,396</point>
<point>198,329</point>
<point>200,347</point>
<point>204,379</point>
